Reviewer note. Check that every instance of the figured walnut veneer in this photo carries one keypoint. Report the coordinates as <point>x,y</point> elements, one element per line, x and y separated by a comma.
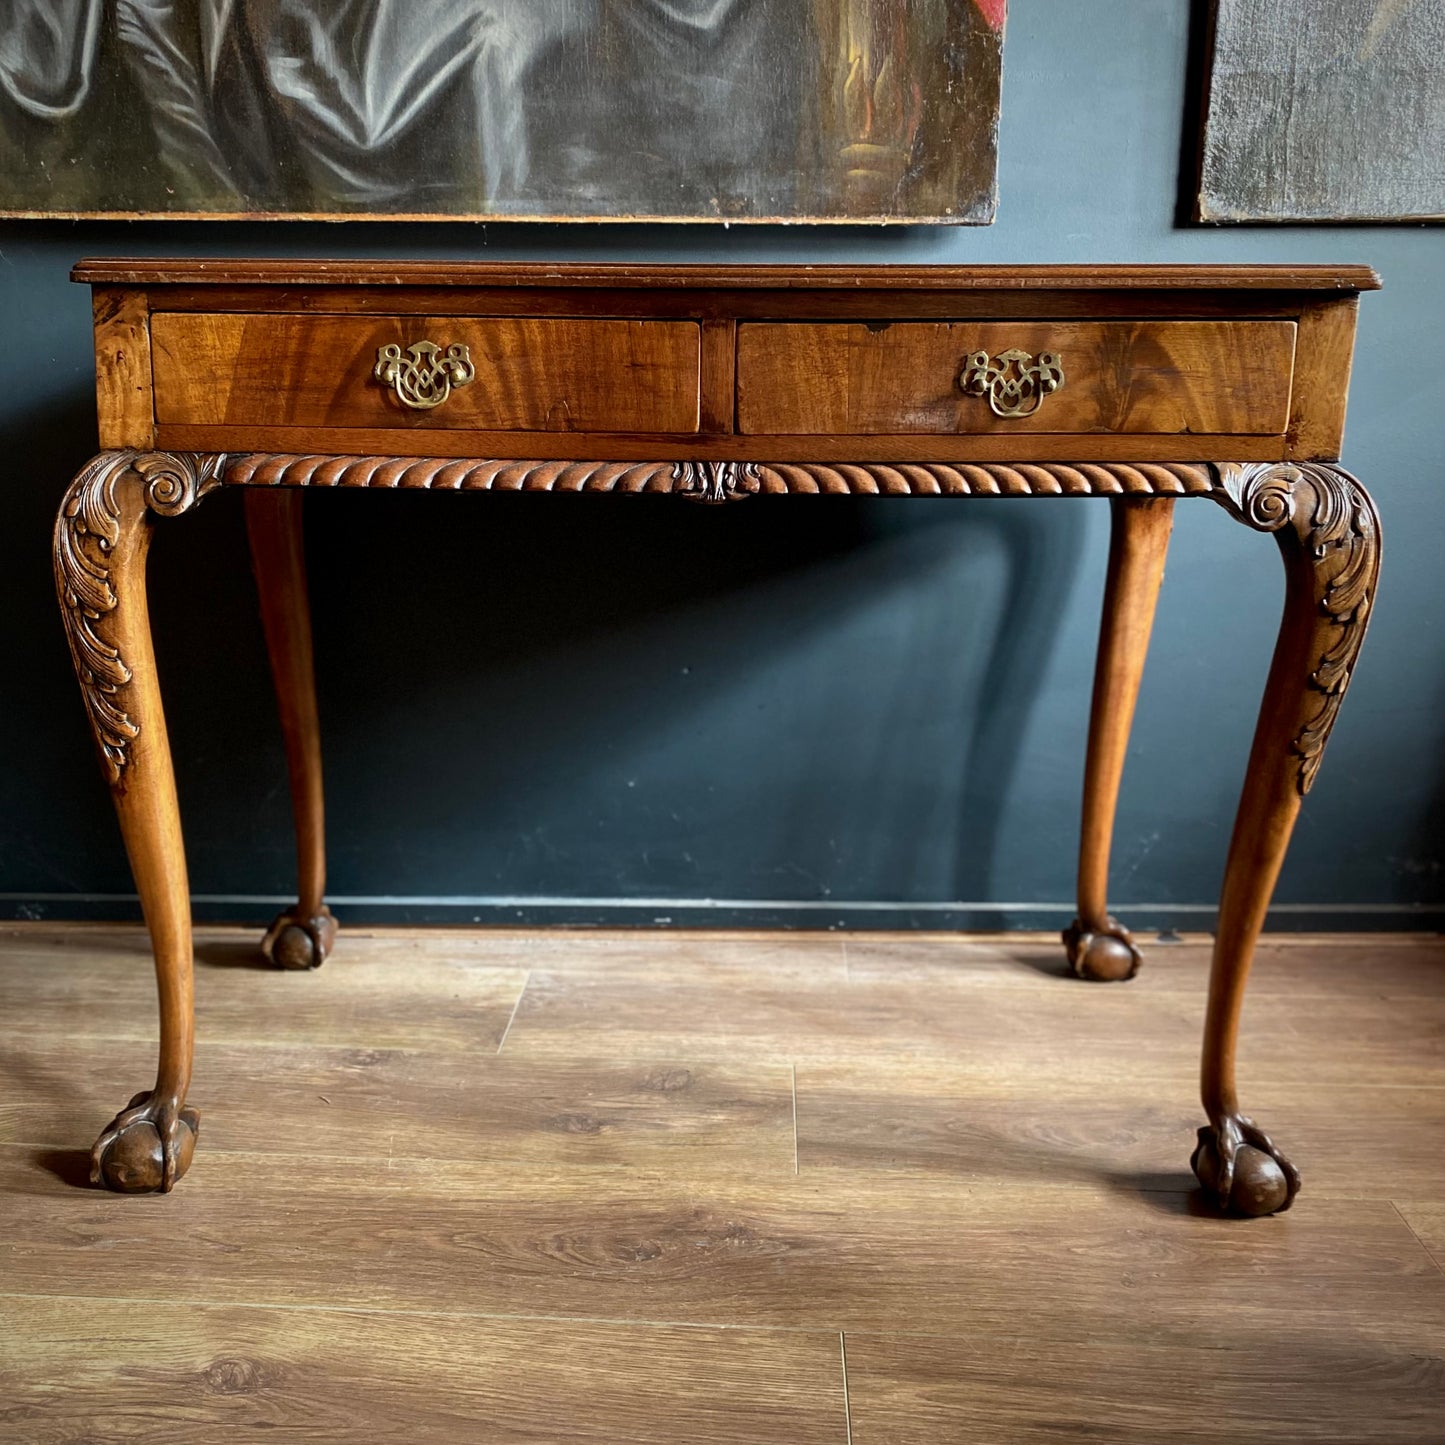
<point>1122,377</point>
<point>1138,384</point>
<point>533,373</point>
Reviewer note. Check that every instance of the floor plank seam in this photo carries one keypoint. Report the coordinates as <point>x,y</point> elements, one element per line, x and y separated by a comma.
<point>795,1118</point>
<point>1415,1234</point>
<point>1062,1339</point>
<point>512,1017</point>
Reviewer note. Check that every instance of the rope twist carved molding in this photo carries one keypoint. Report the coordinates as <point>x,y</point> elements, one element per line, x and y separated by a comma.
<point>1336,522</point>
<point>1328,509</point>
<point>86,534</point>
<point>725,481</point>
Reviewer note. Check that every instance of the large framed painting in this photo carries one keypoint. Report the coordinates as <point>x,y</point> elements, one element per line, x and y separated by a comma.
<point>1325,110</point>
<point>736,110</point>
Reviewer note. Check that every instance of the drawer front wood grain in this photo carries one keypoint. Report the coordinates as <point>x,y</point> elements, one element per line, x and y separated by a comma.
<point>531,374</point>
<point>1126,377</point>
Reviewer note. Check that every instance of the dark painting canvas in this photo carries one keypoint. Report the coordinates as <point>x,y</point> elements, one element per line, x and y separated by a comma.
<point>1325,110</point>
<point>429,109</point>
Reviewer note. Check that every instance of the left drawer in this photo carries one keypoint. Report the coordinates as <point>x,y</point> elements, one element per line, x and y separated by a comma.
<point>511,373</point>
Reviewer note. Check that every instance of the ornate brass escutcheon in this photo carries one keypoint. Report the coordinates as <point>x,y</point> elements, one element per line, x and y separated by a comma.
<point>1015,382</point>
<point>427,379</point>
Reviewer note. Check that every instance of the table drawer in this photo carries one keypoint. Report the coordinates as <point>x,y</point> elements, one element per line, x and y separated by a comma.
<point>1223,377</point>
<point>488,373</point>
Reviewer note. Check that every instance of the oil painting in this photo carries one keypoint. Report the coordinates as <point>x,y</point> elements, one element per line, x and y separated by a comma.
<point>1325,110</point>
<point>736,110</point>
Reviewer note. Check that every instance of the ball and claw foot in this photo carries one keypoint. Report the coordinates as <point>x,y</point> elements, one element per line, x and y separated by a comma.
<point>1108,956</point>
<point>1242,1170</point>
<point>146,1147</point>
<point>296,942</point>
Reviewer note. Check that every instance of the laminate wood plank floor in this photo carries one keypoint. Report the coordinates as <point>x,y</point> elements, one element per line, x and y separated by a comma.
<point>656,1187</point>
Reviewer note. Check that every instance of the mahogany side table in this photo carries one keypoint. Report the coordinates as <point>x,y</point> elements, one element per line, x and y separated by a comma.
<point>1139,384</point>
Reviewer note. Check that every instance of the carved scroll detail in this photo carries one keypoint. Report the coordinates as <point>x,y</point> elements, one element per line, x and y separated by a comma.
<point>86,533</point>
<point>1336,522</point>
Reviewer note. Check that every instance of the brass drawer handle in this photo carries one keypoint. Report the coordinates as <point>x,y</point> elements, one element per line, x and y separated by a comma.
<point>427,379</point>
<point>1015,382</point>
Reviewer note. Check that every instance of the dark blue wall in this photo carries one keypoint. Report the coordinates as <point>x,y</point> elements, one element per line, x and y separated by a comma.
<point>792,701</point>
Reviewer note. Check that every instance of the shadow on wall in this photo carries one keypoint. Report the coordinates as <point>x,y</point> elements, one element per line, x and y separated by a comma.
<point>1422,878</point>
<point>790,698</point>
<point>783,698</point>
<point>56,834</point>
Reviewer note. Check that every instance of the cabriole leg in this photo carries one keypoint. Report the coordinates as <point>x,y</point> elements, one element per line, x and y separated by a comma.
<point>1099,947</point>
<point>101,538</point>
<point>302,936</point>
<point>1329,534</point>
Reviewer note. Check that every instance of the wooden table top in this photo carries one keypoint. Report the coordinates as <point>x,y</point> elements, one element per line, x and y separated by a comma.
<point>160,271</point>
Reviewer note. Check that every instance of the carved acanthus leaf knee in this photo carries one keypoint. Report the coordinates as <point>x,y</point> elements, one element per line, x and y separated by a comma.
<point>87,532</point>
<point>1336,524</point>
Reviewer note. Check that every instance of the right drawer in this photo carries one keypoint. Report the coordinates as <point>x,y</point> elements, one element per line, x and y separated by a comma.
<point>950,377</point>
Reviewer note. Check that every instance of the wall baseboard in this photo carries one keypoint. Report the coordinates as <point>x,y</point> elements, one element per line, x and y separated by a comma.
<point>849,914</point>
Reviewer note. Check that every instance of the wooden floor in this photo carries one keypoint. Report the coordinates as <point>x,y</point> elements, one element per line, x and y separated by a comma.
<point>498,1187</point>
